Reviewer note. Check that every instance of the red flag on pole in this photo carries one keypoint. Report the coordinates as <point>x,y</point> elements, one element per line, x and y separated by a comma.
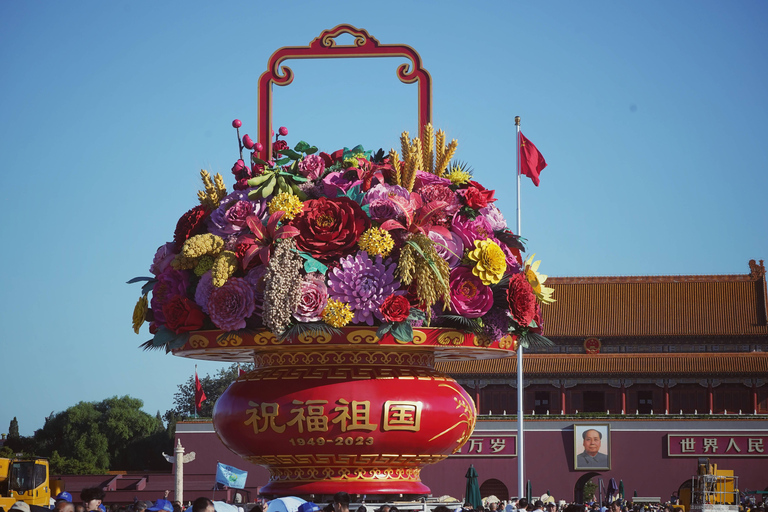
<point>199,393</point>
<point>531,161</point>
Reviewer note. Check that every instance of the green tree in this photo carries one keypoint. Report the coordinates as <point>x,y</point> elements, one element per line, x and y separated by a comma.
<point>13,429</point>
<point>114,434</point>
<point>590,491</point>
<point>214,386</point>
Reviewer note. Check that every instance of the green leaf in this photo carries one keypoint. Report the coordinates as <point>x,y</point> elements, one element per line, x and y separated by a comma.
<point>384,329</point>
<point>257,160</point>
<point>416,314</point>
<point>311,151</point>
<point>138,279</point>
<point>148,286</point>
<point>402,331</point>
<point>282,161</point>
<point>301,147</point>
<point>179,341</point>
<point>290,154</point>
<point>163,336</point>
<point>312,265</point>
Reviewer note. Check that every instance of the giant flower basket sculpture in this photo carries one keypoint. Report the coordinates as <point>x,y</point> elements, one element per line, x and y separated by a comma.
<point>343,276</point>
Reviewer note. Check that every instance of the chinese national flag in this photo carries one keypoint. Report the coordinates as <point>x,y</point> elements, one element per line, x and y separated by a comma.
<point>531,161</point>
<point>199,393</point>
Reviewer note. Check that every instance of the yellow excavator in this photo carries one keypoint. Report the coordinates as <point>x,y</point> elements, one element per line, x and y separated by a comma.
<point>24,480</point>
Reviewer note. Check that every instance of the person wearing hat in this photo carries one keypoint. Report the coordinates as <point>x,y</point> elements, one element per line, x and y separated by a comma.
<point>20,506</point>
<point>203,504</point>
<point>308,506</point>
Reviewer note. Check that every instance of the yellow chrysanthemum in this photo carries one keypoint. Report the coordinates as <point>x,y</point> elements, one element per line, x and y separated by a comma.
<point>376,241</point>
<point>491,261</point>
<point>204,264</point>
<point>140,313</point>
<point>337,313</point>
<point>543,293</point>
<point>458,176</point>
<point>351,161</point>
<point>286,202</point>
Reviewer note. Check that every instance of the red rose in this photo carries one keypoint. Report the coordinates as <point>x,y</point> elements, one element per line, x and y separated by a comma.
<point>476,196</point>
<point>182,315</point>
<point>190,224</point>
<point>521,300</point>
<point>279,145</point>
<point>330,228</point>
<point>395,308</point>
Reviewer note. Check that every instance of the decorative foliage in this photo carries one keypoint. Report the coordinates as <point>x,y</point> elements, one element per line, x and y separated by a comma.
<point>315,241</point>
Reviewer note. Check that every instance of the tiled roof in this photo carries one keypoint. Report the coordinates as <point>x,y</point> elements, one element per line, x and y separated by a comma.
<point>658,306</point>
<point>668,365</point>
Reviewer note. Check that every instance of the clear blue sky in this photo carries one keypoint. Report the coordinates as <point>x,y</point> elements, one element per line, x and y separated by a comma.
<point>651,115</point>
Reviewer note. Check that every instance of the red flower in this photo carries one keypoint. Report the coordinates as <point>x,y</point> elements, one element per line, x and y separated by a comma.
<point>190,224</point>
<point>395,308</point>
<point>330,228</point>
<point>476,196</point>
<point>182,315</point>
<point>279,145</point>
<point>521,300</point>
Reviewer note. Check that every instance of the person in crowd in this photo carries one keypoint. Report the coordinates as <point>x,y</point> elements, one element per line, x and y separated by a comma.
<point>19,506</point>
<point>92,498</point>
<point>64,506</point>
<point>441,508</point>
<point>308,506</point>
<point>203,504</point>
<point>384,508</point>
<point>341,502</point>
<point>538,506</point>
<point>493,507</point>
<point>522,505</point>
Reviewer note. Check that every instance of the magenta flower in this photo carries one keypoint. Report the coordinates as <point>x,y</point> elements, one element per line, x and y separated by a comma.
<point>203,291</point>
<point>336,181</point>
<point>312,166</point>
<point>237,123</point>
<point>255,278</point>
<point>451,248</point>
<point>163,257</point>
<point>247,141</point>
<point>170,282</point>
<point>363,284</point>
<point>427,178</point>
<point>469,296</point>
<point>470,230</point>
<point>283,131</point>
<point>231,304</point>
<point>229,217</point>
<point>314,298</point>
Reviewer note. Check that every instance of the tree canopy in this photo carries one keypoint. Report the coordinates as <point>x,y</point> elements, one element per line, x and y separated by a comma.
<point>213,385</point>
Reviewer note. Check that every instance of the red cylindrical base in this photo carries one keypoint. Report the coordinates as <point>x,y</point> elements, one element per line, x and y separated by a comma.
<point>364,420</point>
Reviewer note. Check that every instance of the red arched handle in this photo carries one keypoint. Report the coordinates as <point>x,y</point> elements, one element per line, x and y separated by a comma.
<point>325,47</point>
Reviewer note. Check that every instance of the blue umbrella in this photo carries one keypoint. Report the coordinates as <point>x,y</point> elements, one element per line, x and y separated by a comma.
<point>472,492</point>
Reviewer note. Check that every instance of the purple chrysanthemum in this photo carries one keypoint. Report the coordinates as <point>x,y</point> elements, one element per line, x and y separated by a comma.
<point>385,191</point>
<point>496,323</point>
<point>383,209</point>
<point>424,179</point>
<point>363,284</point>
<point>229,217</point>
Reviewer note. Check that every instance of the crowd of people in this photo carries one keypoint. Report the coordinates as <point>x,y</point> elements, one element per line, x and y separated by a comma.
<point>91,500</point>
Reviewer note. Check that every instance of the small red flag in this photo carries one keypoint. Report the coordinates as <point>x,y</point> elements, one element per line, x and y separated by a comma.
<point>531,161</point>
<point>240,371</point>
<point>199,393</point>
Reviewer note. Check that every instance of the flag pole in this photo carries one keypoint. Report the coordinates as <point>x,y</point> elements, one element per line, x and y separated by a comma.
<point>520,444</point>
<point>195,399</point>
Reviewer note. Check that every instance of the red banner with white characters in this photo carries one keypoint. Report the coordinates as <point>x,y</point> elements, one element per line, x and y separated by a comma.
<point>717,445</point>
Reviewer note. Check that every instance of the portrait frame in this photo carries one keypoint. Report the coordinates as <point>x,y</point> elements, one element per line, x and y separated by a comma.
<point>582,461</point>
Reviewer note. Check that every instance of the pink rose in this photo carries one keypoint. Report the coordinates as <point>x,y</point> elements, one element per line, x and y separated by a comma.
<point>163,257</point>
<point>312,167</point>
<point>314,298</point>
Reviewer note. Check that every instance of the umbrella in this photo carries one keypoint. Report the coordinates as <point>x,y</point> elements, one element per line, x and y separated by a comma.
<point>635,493</point>
<point>621,488</point>
<point>287,504</point>
<point>472,492</point>
<point>528,491</point>
<point>612,488</point>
